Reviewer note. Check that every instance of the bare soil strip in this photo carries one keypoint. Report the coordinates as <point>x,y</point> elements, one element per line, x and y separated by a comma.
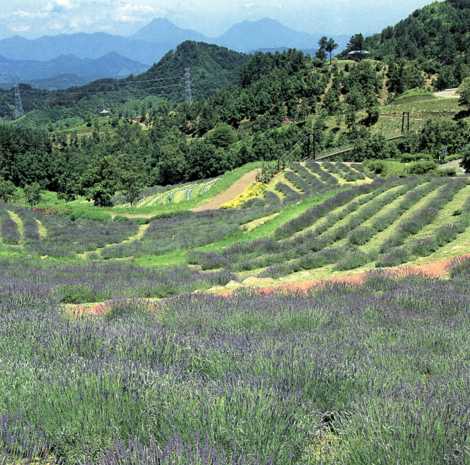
<point>230,194</point>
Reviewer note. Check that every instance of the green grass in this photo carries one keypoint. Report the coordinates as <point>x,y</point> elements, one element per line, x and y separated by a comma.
<point>225,181</point>
<point>81,208</point>
<point>266,230</point>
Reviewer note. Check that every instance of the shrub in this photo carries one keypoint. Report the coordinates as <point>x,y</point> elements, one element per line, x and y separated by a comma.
<point>395,257</point>
<point>461,268</point>
<point>421,167</point>
<point>466,158</point>
<point>361,235</point>
<point>447,172</point>
<point>424,247</point>
<point>411,157</point>
<point>7,190</point>
<point>76,294</point>
<point>355,258</point>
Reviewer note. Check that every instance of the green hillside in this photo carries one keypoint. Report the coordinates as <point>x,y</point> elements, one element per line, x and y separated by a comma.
<point>212,68</point>
<point>436,36</point>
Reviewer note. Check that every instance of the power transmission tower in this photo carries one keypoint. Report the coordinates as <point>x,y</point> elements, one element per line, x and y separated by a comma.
<point>188,85</point>
<point>19,110</point>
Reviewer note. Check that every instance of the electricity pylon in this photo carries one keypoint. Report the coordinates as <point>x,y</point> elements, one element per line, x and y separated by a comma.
<point>188,85</point>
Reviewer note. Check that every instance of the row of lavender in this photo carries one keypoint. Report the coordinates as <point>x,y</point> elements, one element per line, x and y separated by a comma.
<point>344,375</point>
<point>311,178</point>
<point>338,231</point>
<point>62,235</point>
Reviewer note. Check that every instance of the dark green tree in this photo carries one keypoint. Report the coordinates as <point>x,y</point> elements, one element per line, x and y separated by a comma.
<point>322,49</point>
<point>330,47</point>
<point>464,93</point>
<point>7,190</point>
<point>466,158</point>
<point>32,193</point>
<point>222,136</point>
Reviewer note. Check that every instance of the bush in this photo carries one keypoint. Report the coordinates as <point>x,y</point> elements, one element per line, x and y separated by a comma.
<point>376,166</point>
<point>461,268</point>
<point>354,259</point>
<point>7,190</point>
<point>76,294</point>
<point>421,167</point>
<point>395,257</point>
<point>411,157</point>
<point>424,247</point>
<point>361,235</point>
<point>447,172</point>
<point>466,158</point>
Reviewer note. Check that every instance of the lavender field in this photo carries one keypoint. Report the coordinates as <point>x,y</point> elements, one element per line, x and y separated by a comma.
<point>377,374</point>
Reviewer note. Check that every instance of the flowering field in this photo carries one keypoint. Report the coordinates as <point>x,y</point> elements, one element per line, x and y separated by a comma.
<point>380,224</point>
<point>322,227</point>
<point>344,375</point>
<point>115,348</point>
<point>304,179</point>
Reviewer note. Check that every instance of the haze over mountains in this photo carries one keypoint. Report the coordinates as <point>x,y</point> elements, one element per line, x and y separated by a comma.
<point>67,70</point>
<point>91,56</point>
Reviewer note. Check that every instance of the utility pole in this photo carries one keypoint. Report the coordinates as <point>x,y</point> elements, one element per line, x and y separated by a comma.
<point>405,122</point>
<point>19,110</point>
<point>188,85</point>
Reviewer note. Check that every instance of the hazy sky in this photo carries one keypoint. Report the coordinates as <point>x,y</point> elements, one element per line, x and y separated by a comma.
<point>37,17</point>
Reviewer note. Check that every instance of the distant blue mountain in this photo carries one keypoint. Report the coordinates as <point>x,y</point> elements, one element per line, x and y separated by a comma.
<point>162,31</point>
<point>81,45</point>
<point>67,70</point>
<point>152,42</point>
<point>265,34</point>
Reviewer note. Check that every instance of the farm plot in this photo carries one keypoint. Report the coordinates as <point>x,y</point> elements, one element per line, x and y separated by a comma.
<point>310,177</point>
<point>56,235</point>
<point>174,195</point>
<point>377,224</point>
<point>187,230</point>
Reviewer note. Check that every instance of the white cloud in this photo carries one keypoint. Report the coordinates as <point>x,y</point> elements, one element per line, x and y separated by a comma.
<point>19,28</point>
<point>67,4</point>
<point>130,12</point>
<point>209,16</point>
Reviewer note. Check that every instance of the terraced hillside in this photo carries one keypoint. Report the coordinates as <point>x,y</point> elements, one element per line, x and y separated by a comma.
<point>314,220</point>
<point>310,177</point>
<point>381,224</point>
<point>120,335</point>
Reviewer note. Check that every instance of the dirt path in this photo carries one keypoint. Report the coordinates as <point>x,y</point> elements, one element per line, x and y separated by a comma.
<point>447,93</point>
<point>230,194</point>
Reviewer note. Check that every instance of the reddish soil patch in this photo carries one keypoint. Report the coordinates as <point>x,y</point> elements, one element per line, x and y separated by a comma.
<point>437,269</point>
<point>93,310</point>
<point>230,194</point>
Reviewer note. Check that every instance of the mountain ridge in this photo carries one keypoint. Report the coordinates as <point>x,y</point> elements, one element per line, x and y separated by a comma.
<point>149,44</point>
<point>83,70</point>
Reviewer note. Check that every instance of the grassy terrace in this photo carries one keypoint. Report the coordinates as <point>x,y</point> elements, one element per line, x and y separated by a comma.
<point>314,221</point>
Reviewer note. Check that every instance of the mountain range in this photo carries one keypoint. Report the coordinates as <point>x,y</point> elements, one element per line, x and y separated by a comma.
<point>152,42</point>
<point>67,70</point>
